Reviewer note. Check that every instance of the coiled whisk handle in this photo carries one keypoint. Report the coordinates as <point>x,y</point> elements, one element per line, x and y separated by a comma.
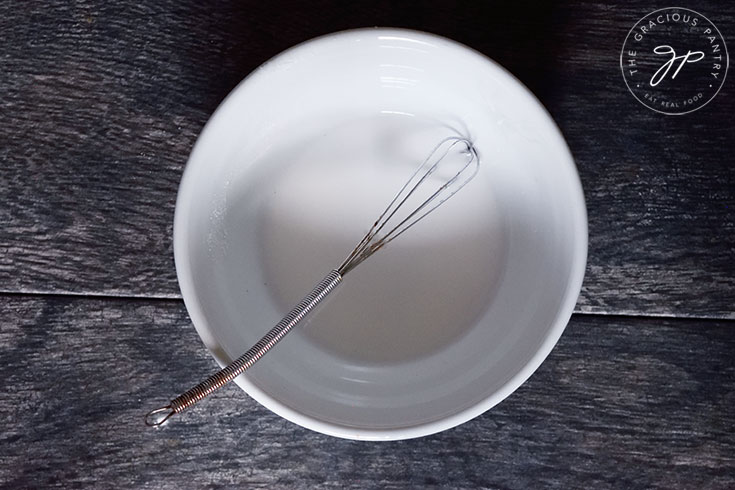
<point>160,415</point>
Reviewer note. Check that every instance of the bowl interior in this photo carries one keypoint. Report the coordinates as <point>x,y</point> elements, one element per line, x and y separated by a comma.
<point>296,165</point>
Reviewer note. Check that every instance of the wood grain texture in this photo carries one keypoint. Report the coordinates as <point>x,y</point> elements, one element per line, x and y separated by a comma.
<point>100,103</point>
<point>620,403</point>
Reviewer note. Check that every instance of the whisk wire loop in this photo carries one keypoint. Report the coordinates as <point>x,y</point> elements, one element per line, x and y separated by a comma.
<point>372,242</point>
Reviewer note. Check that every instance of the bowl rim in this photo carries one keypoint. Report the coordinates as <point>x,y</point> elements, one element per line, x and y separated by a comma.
<point>553,333</point>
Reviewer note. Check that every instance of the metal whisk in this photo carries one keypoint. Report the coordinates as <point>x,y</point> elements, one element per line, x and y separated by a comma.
<point>426,187</point>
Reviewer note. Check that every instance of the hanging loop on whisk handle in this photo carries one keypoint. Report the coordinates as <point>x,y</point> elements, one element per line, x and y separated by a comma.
<point>159,416</point>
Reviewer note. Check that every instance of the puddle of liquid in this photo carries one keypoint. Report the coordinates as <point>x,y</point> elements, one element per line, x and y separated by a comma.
<point>421,293</point>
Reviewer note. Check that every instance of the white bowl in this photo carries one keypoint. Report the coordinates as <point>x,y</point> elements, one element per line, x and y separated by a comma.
<point>293,168</point>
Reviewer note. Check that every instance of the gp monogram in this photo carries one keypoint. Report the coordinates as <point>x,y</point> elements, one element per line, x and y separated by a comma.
<point>674,61</point>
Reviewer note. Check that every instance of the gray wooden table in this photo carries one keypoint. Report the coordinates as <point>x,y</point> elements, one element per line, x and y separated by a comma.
<point>100,103</point>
